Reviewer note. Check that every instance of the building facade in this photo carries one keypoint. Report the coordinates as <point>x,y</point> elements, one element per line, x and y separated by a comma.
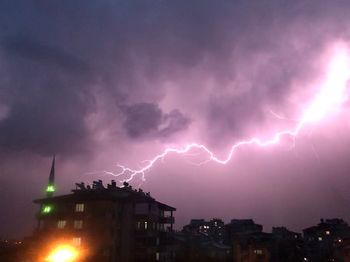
<point>214,228</point>
<point>327,241</point>
<point>107,224</point>
<point>248,242</point>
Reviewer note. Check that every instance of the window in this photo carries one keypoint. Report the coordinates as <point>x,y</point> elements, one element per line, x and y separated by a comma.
<point>328,232</point>
<point>320,239</point>
<point>46,209</point>
<point>157,256</point>
<point>161,227</point>
<point>142,225</point>
<point>78,224</point>
<point>258,251</point>
<point>79,207</point>
<point>61,224</point>
<point>77,241</point>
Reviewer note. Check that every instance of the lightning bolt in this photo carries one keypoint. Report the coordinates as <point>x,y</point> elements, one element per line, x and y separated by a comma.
<point>332,96</point>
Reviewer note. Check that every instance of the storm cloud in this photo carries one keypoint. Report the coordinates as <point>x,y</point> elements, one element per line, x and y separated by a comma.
<point>114,81</point>
<point>57,65</point>
<point>146,119</point>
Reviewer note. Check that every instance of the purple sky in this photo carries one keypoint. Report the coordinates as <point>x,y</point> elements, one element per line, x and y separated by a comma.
<point>101,83</point>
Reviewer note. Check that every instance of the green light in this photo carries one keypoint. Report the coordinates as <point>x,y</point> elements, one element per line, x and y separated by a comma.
<point>50,188</point>
<point>47,209</point>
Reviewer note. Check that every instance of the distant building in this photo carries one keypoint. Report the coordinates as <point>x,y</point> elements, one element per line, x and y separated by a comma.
<point>11,250</point>
<point>249,243</point>
<point>107,223</point>
<point>342,251</point>
<point>238,227</point>
<point>202,240</point>
<point>214,228</point>
<point>287,246</point>
<point>282,233</point>
<point>324,241</point>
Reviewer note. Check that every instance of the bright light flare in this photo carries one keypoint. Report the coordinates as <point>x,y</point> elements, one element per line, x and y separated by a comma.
<point>63,253</point>
<point>332,95</point>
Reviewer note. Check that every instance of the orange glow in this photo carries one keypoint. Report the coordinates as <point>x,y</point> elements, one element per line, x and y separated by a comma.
<point>64,253</point>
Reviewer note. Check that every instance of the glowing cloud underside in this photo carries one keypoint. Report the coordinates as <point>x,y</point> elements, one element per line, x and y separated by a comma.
<point>332,95</point>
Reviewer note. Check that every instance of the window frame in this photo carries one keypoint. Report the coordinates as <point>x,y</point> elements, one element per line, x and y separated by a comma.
<point>79,207</point>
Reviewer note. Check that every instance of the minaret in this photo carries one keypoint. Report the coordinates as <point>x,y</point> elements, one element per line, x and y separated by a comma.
<point>50,189</point>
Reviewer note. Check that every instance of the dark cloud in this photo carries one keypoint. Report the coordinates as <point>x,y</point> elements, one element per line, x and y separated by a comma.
<point>127,50</point>
<point>54,130</point>
<point>30,49</point>
<point>48,98</point>
<point>148,120</point>
<point>142,119</point>
<point>173,122</point>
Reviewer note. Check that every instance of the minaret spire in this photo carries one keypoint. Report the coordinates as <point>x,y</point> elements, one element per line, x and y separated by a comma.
<point>50,189</point>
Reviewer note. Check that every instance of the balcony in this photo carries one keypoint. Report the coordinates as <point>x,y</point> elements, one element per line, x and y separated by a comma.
<point>167,220</point>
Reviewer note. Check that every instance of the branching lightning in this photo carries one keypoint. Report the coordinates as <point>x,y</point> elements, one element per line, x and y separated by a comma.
<point>332,95</point>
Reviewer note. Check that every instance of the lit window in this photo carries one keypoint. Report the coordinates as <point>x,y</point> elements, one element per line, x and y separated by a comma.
<point>61,224</point>
<point>146,225</point>
<point>46,209</point>
<point>320,239</point>
<point>157,256</point>
<point>339,240</point>
<point>328,232</point>
<point>77,241</point>
<point>258,251</point>
<point>79,208</point>
<point>78,224</point>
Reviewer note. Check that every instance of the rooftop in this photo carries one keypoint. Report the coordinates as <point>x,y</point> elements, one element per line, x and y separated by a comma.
<point>98,191</point>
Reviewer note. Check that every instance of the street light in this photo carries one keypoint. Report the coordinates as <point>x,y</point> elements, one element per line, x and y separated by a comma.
<point>63,253</point>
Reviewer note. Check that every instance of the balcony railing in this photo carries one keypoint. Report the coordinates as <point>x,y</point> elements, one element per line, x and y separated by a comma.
<point>167,220</point>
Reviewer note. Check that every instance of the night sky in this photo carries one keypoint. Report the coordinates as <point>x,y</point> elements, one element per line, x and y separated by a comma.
<point>101,83</point>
